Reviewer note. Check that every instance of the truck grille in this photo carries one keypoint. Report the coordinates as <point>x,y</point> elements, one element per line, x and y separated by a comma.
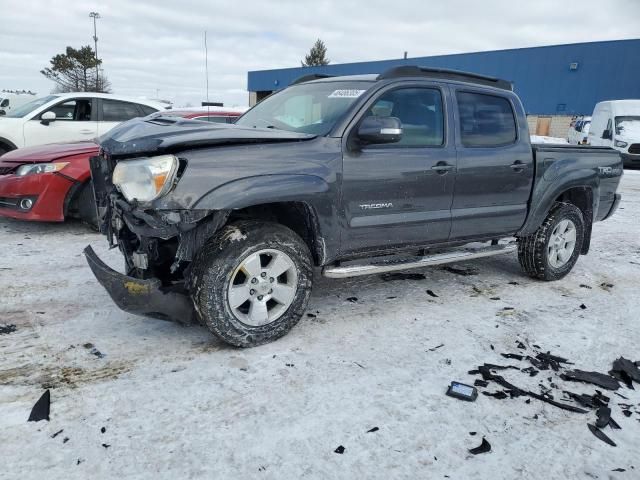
<point>635,149</point>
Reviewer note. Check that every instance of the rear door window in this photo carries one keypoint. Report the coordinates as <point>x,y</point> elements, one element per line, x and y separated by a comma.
<point>485,120</point>
<point>116,111</point>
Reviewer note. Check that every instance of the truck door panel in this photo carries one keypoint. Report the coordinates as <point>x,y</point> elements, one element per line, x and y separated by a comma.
<point>494,165</point>
<point>392,195</point>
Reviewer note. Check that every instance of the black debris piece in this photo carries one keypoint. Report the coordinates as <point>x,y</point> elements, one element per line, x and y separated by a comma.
<point>360,365</point>
<point>473,372</point>
<point>88,345</point>
<point>604,416</point>
<point>545,361</point>
<point>582,285</point>
<point>627,413</point>
<point>492,347</point>
<point>465,271</point>
<point>431,294</point>
<point>290,364</point>
<point>531,371</point>
<point>622,365</point>
<point>515,356</point>
<point>499,367</point>
<point>339,450</point>
<point>618,470</point>
<point>606,286</point>
<point>103,429</point>
<point>352,299</point>
<point>57,433</point>
<point>520,345</point>
<point>390,277</point>
<point>613,424</point>
<point>484,447</point>
<point>433,349</point>
<point>595,378</point>
<point>583,306</point>
<point>536,346</point>
<point>498,395</point>
<point>78,462</point>
<point>600,435</point>
<point>494,298</point>
<point>40,410</point>
<point>527,401</point>
<point>96,352</point>
<point>311,315</point>
<point>65,439</point>
<point>7,329</point>
<point>480,383</point>
<point>374,429</point>
<point>514,283</point>
<point>106,445</point>
<point>391,298</point>
<point>472,433</point>
<point>621,396</point>
<point>590,401</point>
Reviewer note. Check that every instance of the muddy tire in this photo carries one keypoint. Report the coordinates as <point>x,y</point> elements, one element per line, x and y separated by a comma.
<point>551,251</point>
<point>251,282</point>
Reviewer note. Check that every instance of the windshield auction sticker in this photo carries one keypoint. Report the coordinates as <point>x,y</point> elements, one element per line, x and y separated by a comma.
<point>346,93</point>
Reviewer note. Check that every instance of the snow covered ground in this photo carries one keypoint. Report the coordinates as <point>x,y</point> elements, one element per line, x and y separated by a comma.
<point>176,403</point>
<point>543,139</point>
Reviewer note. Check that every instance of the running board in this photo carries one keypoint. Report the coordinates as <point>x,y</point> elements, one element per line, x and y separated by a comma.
<point>426,261</point>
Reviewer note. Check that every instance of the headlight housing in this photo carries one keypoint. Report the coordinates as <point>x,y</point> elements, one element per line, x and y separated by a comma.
<point>145,179</point>
<point>36,168</point>
<point>621,144</point>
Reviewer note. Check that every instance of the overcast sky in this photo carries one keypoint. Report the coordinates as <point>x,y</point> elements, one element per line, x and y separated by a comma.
<point>150,46</point>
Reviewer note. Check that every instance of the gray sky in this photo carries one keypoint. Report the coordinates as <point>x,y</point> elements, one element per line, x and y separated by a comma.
<point>158,45</point>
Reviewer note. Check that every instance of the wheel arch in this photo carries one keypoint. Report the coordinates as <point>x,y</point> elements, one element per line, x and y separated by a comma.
<point>7,143</point>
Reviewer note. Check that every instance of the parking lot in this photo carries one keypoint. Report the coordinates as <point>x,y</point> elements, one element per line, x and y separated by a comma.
<point>131,396</point>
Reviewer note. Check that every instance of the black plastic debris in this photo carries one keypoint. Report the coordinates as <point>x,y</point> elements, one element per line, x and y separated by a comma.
<point>604,415</point>
<point>600,435</point>
<point>627,413</point>
<point>484,447</point>
<point>390,277</point>
<point>431,294</point>
<point>494,298</point>
<point>57,433</point>
<point>520,345</point>
<point>352,299</point>
<point>311,315</point>
<point>433,349</point>
<point>595,378</point>
<point>65,439</point>
<point>473,433</point>
<point>546,361</point>
<point>103,429</point>
<point>618,470</point>
<point>596,400</point>
<point>515,356</point>
<point>531,371</point>
<point>40,410</point>
<point>514,283</point>
<point>106,445</point>
<point>582,285</point>
<point>480,383</point>
<point>374,429</point>
<point>458,270</point>
<point>500,395</point>
<point>339,450</point>
<point>7,329</point>
<point>625,368</point>
<point>583,306</point>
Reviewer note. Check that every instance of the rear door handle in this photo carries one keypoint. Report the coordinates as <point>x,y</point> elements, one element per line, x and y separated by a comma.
<point>442,168</point>
<point>518,166</point>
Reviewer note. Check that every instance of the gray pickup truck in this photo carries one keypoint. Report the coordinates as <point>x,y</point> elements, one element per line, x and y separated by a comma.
<point>224,224</point>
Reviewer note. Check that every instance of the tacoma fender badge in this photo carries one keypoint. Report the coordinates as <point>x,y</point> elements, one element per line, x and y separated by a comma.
<point>376,206</point>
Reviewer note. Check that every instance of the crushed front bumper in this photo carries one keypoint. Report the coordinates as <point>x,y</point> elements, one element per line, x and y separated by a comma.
<point>142,297</point>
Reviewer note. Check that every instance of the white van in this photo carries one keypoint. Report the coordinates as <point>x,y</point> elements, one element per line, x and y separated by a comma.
<point>10,101</point>
<point>616,123</point>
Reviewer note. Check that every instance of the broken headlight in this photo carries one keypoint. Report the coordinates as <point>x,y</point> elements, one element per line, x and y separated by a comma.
<point>145,179</point>
<point>34,168</point>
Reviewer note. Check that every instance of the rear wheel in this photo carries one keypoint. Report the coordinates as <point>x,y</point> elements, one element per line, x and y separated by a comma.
<point>251,282</point>
<point>551,251</point>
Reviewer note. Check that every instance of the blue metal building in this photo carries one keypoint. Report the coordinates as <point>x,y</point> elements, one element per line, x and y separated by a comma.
<point>552,80</point>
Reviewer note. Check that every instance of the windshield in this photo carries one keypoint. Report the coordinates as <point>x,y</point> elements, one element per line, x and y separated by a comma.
<point>628,125</point>
<point>307,108</point>
<point>27,108</point>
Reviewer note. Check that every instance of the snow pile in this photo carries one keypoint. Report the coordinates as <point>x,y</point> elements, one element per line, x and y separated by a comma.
<point>543,139</point>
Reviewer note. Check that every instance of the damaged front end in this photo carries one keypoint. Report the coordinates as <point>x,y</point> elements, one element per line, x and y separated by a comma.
<point>158,246</point>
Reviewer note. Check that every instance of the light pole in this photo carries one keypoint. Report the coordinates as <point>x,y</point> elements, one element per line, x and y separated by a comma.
<point>95,16</point>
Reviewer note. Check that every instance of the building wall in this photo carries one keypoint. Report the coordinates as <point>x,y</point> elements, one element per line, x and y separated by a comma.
<point>543,77</point>
<point>558,125</point>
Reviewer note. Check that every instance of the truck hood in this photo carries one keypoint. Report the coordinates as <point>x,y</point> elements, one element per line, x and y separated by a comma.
<point>166,134</point>
<point>48,153</point>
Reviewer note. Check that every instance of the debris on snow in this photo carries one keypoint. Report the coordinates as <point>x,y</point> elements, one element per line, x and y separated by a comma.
<point>57,433</point>
<point>339,450</point>
<point>40,410</point>
<point>431,294</point>
<point>352,299</point>
<point>389,277</point>
<point>460,270</point>
<point>374,429</point>
<point>484,447</point>
<point>596,378</point>
<point>7,329</point>
<point>601,435</point>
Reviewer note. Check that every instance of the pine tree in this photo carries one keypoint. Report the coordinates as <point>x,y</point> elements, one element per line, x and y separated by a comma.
<point>317,55</point>
<point>75,71</point>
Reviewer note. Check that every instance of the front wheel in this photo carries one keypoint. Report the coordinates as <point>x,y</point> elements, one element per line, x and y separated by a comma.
<point>551,251</point>
<point>251,282</point>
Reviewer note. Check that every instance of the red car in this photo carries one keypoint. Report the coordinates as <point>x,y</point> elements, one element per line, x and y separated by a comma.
<point>52,182</point>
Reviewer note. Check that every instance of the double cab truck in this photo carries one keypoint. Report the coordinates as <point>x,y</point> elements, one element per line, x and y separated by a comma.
<point>355,175</point>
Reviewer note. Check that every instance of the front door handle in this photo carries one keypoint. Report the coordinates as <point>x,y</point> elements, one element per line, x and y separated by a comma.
<point>442,168</point>
<point>518,166</point>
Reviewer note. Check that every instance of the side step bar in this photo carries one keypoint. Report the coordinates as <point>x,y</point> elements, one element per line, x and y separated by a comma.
<point>426,261</point>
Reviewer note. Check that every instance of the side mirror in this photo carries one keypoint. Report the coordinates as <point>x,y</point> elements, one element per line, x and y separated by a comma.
<point>374,129</point>
<point>47,117</point>
<point>606,134</point>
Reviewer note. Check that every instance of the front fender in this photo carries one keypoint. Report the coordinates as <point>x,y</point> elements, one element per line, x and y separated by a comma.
<point>262,189</point>
<point>556,180</point>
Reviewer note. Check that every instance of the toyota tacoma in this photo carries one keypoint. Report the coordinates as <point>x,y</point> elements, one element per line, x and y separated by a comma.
<point>225,224</point>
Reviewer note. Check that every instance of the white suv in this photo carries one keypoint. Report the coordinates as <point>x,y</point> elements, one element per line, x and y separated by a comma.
<point>68,117</point>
